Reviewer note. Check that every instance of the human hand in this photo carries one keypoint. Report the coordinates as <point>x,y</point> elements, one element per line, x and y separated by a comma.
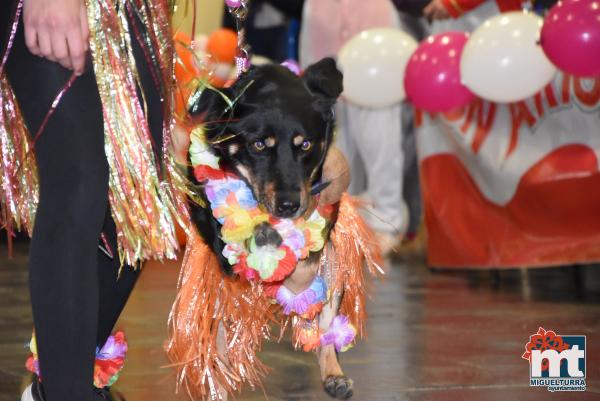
<point>57,30</point>
<point>436,10</point>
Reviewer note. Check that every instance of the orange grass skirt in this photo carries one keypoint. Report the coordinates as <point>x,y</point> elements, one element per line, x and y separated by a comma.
<point>208,303</point>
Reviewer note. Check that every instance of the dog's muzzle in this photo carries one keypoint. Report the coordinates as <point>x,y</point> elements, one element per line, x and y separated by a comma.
<point>287,206</point>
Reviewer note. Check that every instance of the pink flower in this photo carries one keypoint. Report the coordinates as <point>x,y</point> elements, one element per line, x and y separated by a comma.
<point>300,303</point>
<point>341,334</point>
<point>293,237</point>
<point>114,347</point>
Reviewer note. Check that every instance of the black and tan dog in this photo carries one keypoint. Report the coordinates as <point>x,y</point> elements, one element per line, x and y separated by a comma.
<point>275,131</point>
<point>275,136</point>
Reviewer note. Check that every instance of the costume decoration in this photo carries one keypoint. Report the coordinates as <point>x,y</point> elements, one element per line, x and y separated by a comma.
<point>204,296</point>
<point>144,205</point>
<point>239,12</point>
<point>292,65</point>
<point>308,336</point>
<point>234,207</point>
<point>18,170</point>
<point>217,323</point>
<point>301,304</point>
<point>233,3</point>
<point>110,360</point>
<point>341,334</point>
<point>145,191</point>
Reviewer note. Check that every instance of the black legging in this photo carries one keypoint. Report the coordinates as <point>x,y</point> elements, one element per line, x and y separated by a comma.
<point>76,293</point>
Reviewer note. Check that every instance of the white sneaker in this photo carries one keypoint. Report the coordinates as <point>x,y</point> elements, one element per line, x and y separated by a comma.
<point>33,392</point>
<point>27,396</point>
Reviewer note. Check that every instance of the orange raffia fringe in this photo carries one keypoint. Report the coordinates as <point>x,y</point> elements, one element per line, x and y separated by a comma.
<point>144,202</point>
<point>207,303</point>
<point>217,323</point>
<point>353,248</point>
<point>18,171</point>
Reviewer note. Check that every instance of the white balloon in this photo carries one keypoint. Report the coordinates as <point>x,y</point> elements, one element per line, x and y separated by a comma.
<point>373,63</point>
<point>503,62</point>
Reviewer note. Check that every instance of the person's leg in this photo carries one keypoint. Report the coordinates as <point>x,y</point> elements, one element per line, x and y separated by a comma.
<point>115,282</point>
<point>73,177</point>
<point>418,29</point>
<point>412,187</point>
<point>379,143</point>
<point>346,141</point>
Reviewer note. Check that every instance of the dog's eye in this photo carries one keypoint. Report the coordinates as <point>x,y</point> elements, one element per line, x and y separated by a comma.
<point>306,145</point>
<point>259,145</point>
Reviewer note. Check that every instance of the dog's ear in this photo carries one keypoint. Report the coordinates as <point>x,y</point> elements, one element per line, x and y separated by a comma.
<point>323,79</point>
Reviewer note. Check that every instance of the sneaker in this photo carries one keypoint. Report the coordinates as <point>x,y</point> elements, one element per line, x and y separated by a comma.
<point>33,392</point>
<point>106,394</point>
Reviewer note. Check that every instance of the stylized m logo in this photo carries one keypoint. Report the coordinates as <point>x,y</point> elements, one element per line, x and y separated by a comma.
<point>571,355</point>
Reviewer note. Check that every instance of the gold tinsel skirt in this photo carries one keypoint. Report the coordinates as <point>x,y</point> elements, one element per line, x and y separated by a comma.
<point>146,195</point>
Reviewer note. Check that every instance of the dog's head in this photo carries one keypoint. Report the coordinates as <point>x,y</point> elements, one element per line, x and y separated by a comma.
<point>276,132</point>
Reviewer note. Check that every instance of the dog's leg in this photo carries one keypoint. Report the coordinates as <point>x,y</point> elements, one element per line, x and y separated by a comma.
<point>304,274</point>
<point>334,382</point>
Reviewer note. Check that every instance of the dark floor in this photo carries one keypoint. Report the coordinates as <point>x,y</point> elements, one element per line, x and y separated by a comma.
<point>433,336</point>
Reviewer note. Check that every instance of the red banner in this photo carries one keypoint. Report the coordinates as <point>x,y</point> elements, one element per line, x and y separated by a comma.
<point>514,185</point>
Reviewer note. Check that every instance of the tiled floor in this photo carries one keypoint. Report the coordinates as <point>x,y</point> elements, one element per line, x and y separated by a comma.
<point>440,336</point>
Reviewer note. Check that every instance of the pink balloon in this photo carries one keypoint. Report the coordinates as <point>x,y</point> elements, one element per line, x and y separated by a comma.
<point>432,77</point>
<point>571,37</point>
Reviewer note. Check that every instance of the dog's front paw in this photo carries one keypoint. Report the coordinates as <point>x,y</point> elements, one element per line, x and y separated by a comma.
<point>266,235</point>
<point>339,387</point>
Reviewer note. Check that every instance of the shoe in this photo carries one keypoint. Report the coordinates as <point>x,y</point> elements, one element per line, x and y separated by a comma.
<point>33,392</point>
<point>413,248</point>
<point>106,394</point>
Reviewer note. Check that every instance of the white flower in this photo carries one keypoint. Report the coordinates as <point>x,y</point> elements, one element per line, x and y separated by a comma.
<point>200,153</point>
<point>233,251</point>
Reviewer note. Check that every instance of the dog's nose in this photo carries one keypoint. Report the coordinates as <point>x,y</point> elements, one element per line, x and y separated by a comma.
<point>287,208</point>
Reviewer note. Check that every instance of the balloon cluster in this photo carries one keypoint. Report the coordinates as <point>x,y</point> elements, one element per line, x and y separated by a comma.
<point>510,57</point>
<point>202,59</point>
<point>209,58</point>
<point>371,61</point>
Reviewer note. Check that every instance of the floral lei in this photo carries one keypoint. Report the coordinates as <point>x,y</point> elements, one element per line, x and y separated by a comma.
<point>233,205</point>
<point>110,360</point>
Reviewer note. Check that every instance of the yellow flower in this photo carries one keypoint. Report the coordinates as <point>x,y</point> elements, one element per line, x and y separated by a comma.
<point>33,345</point>
<point>239,223</point>
<point>313,230</point>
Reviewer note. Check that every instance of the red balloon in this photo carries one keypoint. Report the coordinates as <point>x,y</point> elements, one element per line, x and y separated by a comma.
<point>432,77</point>
<point>570,37</point>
